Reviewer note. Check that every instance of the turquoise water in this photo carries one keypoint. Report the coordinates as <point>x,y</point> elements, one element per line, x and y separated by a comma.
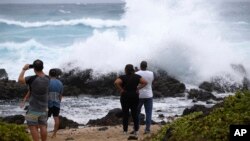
<point>192,40</point>
<point>58,24</point>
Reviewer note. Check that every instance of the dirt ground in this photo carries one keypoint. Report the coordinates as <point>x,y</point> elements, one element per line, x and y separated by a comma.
<point>108,133</point>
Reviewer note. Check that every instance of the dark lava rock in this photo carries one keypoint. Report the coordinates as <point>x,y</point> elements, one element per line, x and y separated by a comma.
<point>67,123</point>
<point>200,95</point>
<point>3,74</point>
<point>196,108</point>
<point>114,117</point>
<point>17,119</point>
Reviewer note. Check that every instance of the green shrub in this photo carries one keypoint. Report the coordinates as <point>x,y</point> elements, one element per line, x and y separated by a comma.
<point>212,127</point>
<point>13,132</point>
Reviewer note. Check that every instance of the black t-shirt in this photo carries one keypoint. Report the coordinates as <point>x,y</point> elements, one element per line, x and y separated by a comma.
<point>129,84</point>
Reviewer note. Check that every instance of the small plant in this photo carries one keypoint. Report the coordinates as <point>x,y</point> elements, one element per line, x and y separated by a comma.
<point>13,132</point>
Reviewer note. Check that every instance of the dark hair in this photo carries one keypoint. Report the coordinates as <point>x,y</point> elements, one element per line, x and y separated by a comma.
<point>38,65</point>
<point>53,73</point>
<point>144,65</point>
<point>129,69</point>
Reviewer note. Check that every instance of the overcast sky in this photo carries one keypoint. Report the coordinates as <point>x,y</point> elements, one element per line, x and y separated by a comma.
<point>60,1</point>
<point>86,1</point>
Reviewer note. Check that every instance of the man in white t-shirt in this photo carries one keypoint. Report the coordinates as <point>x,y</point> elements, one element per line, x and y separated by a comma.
<point>146,94</point>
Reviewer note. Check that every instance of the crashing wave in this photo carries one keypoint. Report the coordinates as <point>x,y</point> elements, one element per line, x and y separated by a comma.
<point>95,23</point>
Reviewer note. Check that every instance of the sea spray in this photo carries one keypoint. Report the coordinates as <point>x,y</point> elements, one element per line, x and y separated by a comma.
<point>180,37</point>
<point>186,38</point>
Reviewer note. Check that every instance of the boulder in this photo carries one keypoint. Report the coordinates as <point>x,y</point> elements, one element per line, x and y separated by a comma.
<point>17,119</point>
<point>195,108</point>
<point>11,90</point>
<point>202,108</point>
<point>167,86</point>
<point>200,95</point>
<point>3,74</point>
<point>67,123</point>
<point>220,84</point>
<point>207,86</point>
<point>78,81</point>
<point>114,117</point>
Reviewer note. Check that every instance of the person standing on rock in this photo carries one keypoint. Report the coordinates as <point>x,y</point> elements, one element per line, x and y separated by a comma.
<point>128,86</point>
<point>146,94</point>
<point>55,98</point>
<point>36,116</point>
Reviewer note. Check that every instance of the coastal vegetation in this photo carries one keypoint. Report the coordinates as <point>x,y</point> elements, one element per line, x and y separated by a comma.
<point>13,132</point>
<point>214,126</point>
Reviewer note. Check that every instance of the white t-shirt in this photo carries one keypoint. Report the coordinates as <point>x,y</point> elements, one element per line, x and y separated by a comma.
<point>146,92</point>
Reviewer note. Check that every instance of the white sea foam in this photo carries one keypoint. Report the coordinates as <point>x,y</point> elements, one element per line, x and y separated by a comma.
<point>64,11</point>
<point>178,36</point>
<point>83,108</point>
<point>95,23</point>
<point>16,55</point>
<point>183,37</point>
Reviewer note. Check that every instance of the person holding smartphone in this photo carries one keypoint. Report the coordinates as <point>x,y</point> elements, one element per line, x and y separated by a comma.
<point>36,116</point>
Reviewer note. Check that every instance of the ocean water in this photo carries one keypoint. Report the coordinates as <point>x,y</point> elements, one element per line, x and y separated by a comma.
<point>193,40</point>
<point>83,108</point>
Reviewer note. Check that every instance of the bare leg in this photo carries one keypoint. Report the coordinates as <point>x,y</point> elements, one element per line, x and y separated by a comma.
<point>43,132</point>
<point>34,132</point>
<point>56,126</point>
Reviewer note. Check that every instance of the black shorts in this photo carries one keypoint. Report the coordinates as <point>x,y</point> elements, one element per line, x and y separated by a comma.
<point>54,111</point>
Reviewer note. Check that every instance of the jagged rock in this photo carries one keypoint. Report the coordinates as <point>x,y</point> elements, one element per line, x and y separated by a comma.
<point>167,86</point>
<point>212,86</point>
<point>205,110</point>
<point>221,85</point>
<point>82,81</point>
<point>11,90</point>
<point>195,108</point>
<point>114,117</point>
<point>3,74</point>
<point>67,123</point>
<point>161,116</point>
<point>163,122</point>
<point>17,119</point>
<point>158,110</point>
<point>200,95</point>
<point>78,81</point>
<point>207,86</point>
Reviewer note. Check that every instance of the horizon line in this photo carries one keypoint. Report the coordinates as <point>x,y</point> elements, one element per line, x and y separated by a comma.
<point>64,3</point>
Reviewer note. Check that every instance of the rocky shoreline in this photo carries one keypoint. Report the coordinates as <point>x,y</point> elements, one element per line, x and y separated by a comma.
<point>78,81</point>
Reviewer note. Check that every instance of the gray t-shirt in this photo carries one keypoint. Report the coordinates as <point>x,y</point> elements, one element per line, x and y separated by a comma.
<point>38,100</point>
